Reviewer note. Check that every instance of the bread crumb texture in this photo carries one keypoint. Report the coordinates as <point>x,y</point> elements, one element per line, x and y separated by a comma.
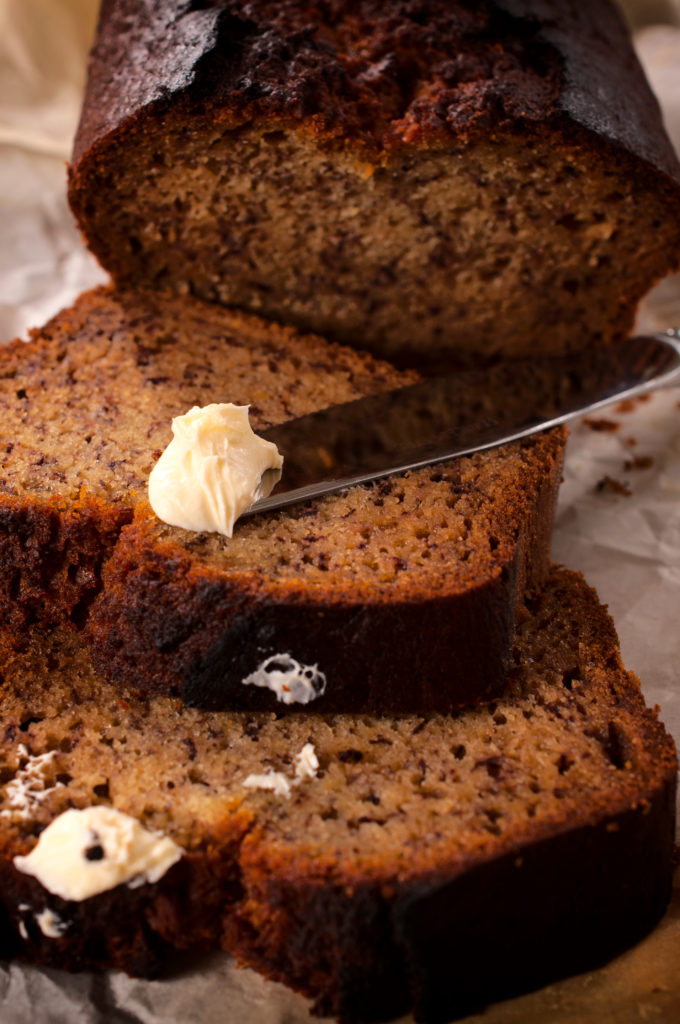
<point>568,736</point>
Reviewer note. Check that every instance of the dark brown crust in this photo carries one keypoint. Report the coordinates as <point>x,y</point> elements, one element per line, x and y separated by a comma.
<point>164,623</point>
<point>51,557</point>
<point>372,73</point>
<point>572,929</point>
<point>559,905</point>
<point>161,628</point>
<point>555,896</point>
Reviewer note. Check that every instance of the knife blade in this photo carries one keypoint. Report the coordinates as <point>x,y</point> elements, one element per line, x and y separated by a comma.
<point>446,417</point>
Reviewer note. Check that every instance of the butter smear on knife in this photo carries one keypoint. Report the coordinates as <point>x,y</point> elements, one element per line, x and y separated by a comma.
<point>212,470</point>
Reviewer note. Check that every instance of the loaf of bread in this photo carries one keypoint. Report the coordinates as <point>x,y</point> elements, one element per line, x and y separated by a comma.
<point>373,863</point>
<point>403,593</point>
<point>426,179</point>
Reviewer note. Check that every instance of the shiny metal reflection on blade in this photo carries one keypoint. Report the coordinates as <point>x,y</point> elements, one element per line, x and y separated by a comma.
<point>448,416</point>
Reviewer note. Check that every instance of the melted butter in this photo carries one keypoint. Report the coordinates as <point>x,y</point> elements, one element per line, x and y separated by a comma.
<point>212,470</point>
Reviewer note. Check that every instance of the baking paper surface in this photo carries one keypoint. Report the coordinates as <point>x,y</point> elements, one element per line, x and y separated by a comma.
<point>627,544</point>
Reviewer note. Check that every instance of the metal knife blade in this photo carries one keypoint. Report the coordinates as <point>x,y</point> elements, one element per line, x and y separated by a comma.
<point>445,417</point>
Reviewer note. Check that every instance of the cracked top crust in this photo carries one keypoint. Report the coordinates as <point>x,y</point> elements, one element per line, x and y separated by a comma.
<point>376,74</point>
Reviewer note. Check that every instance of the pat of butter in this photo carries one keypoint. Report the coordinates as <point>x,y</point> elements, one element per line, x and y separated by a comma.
<point>82,853</point>
<point>212,470</point>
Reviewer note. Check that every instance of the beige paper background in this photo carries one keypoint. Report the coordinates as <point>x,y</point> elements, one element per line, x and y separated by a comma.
<point>628,547</point>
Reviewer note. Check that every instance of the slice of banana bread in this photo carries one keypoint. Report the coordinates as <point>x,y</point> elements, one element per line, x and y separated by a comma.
<point>403,593</point>
<point>373,863</point>
<point>417,178</point>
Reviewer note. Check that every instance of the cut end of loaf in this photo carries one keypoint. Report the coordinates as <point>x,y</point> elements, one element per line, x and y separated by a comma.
<point>464,252</point>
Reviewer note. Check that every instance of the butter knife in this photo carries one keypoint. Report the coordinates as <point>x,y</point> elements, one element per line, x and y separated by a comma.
<point>445,417</point>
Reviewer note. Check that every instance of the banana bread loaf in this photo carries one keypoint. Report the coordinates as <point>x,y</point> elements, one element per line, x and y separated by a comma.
<point>417,178</point>
<point>403,593</point>
<point>374,864</point>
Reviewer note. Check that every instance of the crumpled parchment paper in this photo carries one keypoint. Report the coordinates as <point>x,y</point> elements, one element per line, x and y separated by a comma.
<point>618,521</point>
